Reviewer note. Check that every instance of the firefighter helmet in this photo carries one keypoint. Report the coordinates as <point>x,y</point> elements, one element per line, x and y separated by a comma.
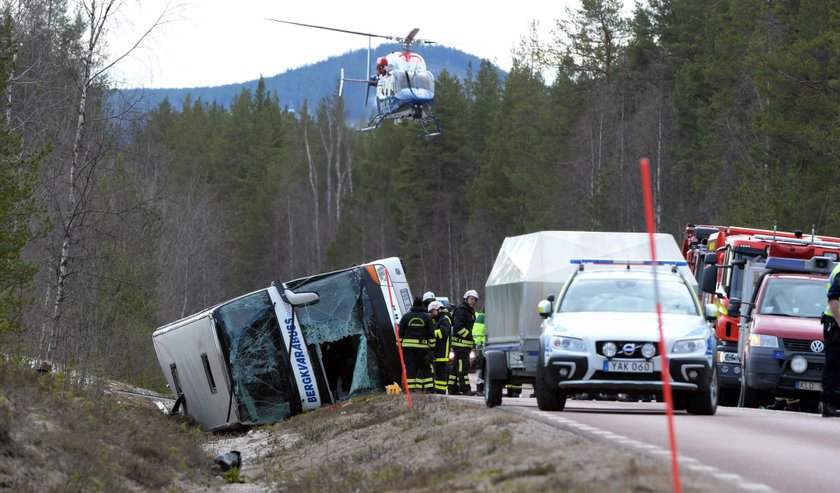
<point>428,296</point>
<point>471,292</point>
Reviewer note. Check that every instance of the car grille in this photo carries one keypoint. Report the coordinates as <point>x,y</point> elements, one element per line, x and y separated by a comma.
<point>798,345</point>
<point>637,351</point>
<point>647,377</point>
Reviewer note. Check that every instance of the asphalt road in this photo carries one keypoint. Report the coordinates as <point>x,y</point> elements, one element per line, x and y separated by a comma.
<point>751,449</point>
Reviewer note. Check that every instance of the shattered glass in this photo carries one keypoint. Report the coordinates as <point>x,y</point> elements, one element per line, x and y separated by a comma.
<point>339,313</point>
<point>252,344</point>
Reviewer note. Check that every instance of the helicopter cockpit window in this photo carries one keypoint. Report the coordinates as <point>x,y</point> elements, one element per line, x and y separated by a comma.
<point>414,80</point>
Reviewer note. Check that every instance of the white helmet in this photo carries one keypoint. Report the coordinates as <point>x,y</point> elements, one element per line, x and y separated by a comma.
<point>428,296</point>
<point>471,292</point>
<point>435,305</point>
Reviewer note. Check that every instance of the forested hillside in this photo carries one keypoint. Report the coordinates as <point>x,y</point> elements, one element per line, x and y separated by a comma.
<point>114,227</point>
<point>312,82</point>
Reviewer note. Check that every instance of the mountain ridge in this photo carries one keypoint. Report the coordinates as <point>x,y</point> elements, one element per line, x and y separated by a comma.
<point>313,82</point>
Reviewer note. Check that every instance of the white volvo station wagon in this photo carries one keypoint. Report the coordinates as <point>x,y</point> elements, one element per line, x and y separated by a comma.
<point>601,335</point>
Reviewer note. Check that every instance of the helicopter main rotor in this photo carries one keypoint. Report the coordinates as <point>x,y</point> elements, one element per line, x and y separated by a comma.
<point>406,41</point>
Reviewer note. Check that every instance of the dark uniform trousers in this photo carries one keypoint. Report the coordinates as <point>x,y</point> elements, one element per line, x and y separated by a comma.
<point>831,372</point>
<point>418,369</point>
<point>459,381</point>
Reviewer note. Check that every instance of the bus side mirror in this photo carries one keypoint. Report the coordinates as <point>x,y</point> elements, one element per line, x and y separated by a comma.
<point>300,299</point>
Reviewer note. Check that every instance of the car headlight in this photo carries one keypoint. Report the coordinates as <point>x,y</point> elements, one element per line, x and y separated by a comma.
<point>648,350</point>
<point>763,340</point>
<point>609,349</point>
<point>561,343</point>
<point>689,346</point>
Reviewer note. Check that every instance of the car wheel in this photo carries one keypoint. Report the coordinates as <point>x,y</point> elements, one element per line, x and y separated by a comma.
<point>750,397</point>
<point>493,393</point>
<point>728,397</point>
<point>548,399</point>
<point>680,401</point>
<point>705,402</point>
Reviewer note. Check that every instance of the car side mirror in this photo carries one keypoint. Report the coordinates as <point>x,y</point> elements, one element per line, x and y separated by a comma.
<point>711,312</point>
<point>544,308</point>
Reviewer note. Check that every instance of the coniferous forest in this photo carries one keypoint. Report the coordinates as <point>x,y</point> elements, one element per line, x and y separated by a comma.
<point>115,222</point>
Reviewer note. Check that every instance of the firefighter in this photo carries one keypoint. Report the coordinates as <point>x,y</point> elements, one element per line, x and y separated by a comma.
<point>479,338</point>
<point>443,330</point>
<point>463,319</point>
<point>831,336</point>
<point>417,336</point>
<point>428,297</point>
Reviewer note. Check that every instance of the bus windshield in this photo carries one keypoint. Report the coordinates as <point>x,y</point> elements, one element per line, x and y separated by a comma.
<point>253,346</point>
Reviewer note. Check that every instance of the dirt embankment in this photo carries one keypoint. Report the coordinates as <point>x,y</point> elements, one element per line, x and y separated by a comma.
<point>375,443</point>
<point>53,438</point>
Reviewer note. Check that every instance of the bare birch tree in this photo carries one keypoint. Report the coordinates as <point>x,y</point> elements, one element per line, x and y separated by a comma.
<point>87,151</point>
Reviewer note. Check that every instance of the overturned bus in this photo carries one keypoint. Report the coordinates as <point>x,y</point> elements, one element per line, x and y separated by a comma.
<point>288,348</point>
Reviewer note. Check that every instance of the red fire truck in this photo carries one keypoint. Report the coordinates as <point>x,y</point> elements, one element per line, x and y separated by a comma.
<point>727,251</point>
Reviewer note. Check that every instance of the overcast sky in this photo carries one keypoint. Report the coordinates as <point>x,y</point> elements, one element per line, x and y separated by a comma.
<point>216,42</point>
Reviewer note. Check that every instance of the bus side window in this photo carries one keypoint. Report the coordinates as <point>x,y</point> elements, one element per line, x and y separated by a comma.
<point>174,370</point>
<point>210,380</point>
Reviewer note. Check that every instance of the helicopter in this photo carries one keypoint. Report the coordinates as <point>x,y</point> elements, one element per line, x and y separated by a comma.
<point>405,89</point>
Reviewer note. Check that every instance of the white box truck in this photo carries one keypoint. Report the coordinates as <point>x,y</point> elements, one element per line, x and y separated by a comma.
<point>530,268</point>
<point>288,348</point>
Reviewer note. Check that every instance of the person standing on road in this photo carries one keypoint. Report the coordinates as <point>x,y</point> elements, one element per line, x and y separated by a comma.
<point>479,337</point>
<point>831,336</point>
<point>417,336</point>
<point>463,319</point>
<point>443,330</point>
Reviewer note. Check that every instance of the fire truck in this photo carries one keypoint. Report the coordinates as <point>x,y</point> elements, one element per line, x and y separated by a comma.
<point>723,277</point>
<point>695,246</point>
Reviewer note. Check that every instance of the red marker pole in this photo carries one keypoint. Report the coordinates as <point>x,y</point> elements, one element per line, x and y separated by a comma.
<point>399,343</point>
<point>644,164</point>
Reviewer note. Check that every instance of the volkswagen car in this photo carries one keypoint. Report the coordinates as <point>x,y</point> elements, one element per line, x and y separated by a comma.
<point>601,335</point>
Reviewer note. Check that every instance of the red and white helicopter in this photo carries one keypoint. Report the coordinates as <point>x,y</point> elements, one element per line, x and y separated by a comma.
<point>405,89</point>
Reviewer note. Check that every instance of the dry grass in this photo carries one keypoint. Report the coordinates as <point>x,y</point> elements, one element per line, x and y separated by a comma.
<point>54,437</point>
<point>374,443</point>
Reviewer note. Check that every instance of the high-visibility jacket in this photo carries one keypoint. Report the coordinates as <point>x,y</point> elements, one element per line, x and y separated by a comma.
<point>417,329</point>
<point>463,319</point>
<point>832,289</point>
<point>443,331</point>
<point>478,329</point>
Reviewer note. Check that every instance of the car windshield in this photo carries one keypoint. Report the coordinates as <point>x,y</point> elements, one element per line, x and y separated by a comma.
<point>627,295</point>
<point>793,297</point>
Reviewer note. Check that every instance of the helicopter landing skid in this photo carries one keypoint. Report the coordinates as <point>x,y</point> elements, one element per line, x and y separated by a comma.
<point>429,119</point>
<point>427,122</point>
